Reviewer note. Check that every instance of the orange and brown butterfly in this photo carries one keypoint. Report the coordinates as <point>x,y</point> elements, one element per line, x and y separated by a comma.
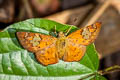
<point>49,49</point>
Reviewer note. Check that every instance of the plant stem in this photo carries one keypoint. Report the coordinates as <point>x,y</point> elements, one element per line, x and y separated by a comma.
<point>105,71</point>
<point>109,70</point>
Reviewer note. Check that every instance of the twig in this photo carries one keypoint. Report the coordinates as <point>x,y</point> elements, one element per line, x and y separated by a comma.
<point>61,17</point>
<point>109,70</point>
<point>97,12</point>
<point>28,8</point>
<point>104,72</point>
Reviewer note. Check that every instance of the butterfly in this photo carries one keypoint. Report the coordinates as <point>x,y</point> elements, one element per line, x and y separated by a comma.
<point>49,49</point>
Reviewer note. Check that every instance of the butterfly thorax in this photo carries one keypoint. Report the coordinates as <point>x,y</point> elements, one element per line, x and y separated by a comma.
<point>61,44</point>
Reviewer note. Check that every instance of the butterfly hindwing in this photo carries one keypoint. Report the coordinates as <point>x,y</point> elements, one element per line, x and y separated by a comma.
<point>48,55</point>
<point>74,52</point>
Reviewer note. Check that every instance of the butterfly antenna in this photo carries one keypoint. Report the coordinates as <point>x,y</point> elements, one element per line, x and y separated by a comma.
<point>68,30</point>
<point>55,31</point>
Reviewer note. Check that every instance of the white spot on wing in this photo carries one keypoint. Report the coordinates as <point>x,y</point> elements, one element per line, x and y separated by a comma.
<point>86,33</point>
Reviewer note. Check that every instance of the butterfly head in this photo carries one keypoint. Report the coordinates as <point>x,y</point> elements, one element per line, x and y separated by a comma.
<point>61,34</point>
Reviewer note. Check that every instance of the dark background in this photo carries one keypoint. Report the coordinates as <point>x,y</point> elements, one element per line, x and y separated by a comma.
<point>107,43</point>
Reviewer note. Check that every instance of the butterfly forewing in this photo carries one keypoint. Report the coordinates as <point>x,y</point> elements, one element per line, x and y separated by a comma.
<point>85,35</point>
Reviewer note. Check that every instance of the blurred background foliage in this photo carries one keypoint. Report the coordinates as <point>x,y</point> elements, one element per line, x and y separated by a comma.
<point>74,12</point>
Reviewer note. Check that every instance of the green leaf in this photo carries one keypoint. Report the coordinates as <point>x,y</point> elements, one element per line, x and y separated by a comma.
<point>17,63</point>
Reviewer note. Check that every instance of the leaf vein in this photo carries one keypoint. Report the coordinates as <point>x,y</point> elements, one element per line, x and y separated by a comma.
<point>24,65</point>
